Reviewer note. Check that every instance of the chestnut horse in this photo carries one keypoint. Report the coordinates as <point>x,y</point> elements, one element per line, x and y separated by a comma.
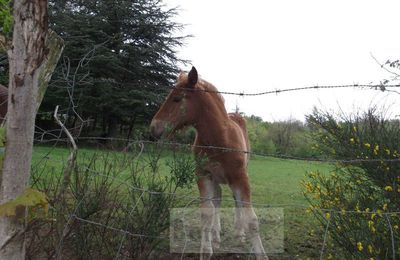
<point>195,102</point>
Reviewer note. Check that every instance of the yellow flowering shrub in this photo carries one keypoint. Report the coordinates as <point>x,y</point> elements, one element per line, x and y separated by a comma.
<point>359,197</point>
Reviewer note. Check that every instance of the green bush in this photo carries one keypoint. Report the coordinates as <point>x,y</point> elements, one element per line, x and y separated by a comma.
<point>116,205</point>
<point>361,193</point>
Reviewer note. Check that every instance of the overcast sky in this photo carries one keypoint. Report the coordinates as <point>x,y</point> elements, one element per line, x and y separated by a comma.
<point>259,45</point>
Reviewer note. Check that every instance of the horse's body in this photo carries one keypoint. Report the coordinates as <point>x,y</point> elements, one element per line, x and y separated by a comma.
<point>221,138</point>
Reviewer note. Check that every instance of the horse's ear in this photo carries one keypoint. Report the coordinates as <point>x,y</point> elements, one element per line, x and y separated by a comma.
<point>192,77</point>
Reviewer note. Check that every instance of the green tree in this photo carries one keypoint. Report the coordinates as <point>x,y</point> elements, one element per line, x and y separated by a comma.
<point>6,20</point>
<point>120,58</point>
<point>260,141</point>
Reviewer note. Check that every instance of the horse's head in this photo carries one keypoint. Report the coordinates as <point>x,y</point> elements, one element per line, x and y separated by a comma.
<point>179,109</point>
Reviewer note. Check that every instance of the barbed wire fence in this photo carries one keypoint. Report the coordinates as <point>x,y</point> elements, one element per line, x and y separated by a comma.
<point>55,137</point>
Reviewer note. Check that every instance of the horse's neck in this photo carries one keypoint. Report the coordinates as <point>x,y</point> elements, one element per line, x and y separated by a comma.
<point>211,126</point>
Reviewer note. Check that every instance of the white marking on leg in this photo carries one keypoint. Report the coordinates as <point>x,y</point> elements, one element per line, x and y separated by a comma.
<point>207,217</point>
<point>240,232</point>
<point>254,233</point>
<point>246,221</point>
<point>216,229</point>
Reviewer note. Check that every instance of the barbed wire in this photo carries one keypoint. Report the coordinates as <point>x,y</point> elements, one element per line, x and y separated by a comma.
<point>189,199</point>
<point>193,199</point>
<point>381,87</point>
<point>227,149</point>
<point>126,232</point>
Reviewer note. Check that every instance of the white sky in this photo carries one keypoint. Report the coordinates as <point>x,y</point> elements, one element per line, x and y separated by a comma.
<point>260,45</point>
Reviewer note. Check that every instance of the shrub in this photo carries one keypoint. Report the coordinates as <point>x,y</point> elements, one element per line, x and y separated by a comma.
<point>117,205</point>
<point>365,186</point>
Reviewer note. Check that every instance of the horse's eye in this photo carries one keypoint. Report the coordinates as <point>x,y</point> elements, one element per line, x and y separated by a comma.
<point>177,98</point>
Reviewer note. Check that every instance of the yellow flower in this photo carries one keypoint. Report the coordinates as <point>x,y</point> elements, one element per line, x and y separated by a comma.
<point>367,145</point>
<point>359,246</point>
<point>352,140</point>
<point>387,151</point>
<point>309,187</point>
<point>370,224</point>
<point>328,215</point>
<point>370,249</point>
<point>396,227</point>
<point>388,188</point>
<point>384,206</point>
<point>371,258</point>
<point>376,149</point>
<point>329,257</point>
<point>367,210</point>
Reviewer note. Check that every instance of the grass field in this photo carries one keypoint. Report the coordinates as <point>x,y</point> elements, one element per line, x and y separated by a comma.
<point>274,182</point>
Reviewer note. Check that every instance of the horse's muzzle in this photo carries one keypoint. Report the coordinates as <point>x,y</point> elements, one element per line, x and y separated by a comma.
<point>157,128</point>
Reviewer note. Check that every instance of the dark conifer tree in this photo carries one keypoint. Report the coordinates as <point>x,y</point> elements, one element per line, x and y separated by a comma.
<point>119,60</point>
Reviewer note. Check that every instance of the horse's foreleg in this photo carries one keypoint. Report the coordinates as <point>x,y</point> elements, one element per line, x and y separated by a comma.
<point>255,239</point>
<point>247,217</point>
<point>207,216</point>
<point>239,222</point>
<point>216,228</point>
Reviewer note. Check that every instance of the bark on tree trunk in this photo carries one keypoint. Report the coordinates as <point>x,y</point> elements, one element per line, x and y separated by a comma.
<point>131,124</point>
<point>32,58</point>
<point>112,126</point>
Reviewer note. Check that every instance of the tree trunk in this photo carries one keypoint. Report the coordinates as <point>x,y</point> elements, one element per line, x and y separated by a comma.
<point>131,124</point>
<point>112,126</point>
<point>32,58</point>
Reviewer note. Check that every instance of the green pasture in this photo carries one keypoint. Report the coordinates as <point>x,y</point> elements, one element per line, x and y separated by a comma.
<point>274,183</point>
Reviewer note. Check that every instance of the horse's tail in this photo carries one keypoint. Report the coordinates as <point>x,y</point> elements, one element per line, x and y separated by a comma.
<point>241,121</point>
